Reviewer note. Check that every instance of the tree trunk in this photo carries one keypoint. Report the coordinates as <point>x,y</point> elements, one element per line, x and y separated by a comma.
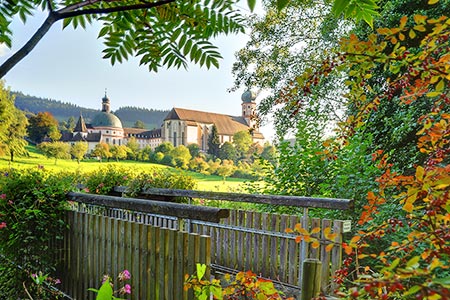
<point>29,46</point>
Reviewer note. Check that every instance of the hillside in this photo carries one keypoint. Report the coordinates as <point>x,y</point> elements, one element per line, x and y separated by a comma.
<point>64,110</point>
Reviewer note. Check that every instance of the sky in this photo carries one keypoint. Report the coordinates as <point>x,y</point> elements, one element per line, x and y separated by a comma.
<point>67,65</point>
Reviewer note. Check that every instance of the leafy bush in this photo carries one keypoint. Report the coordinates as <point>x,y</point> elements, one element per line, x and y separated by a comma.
<point>161,179</point>
<point>104,179</point>
<point>32,203</point>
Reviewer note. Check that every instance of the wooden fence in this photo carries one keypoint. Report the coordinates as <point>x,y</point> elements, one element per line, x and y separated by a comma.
<point>157,258</point>
<point>258,242</point>
<point>252,241</point>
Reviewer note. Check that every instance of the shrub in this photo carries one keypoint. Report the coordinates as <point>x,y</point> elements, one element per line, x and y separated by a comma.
<point>161,179</point>
<point>104,179</point>
<point>32,203</point>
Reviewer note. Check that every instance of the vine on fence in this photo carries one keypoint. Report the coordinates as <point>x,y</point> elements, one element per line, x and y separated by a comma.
<point>245,285</point>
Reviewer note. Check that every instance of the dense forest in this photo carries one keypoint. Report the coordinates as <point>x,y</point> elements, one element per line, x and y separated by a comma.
<point>64,110</point>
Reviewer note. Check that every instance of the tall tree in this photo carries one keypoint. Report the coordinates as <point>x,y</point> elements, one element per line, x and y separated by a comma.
<point>269,153</point>
<point>162,33</point>
<point>213,141</point>
<point>133,147</point>
<point>228,151</point>
<point>56,150</point>
<point>194,149</point>
<point>79,150</point>
<point>13,124</point>
<point>102,150</point>
<point>139,124</point>
<point>119,152</point>
<point>181,155</point>
<point>15,136</point>
<point>282,45</point>
<point>43,125</point>
<point>164,148</point>
<point>242,140</point>
<point>6,108</point>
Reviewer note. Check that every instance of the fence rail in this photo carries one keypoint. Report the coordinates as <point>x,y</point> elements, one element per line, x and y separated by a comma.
<point>280,200</point>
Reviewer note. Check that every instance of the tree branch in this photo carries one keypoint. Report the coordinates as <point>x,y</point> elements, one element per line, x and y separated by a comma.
<point>50,6</point>
<point>64,13</point>
<point>92,11</point>
<point>29,46</point>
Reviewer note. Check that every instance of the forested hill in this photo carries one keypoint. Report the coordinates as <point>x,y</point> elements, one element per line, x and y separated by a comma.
<point>64,110</point>
<point>60,110</point>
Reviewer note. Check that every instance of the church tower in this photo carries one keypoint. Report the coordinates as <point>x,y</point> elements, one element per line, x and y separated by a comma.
<point>106,104</point>
<point>249,108</point>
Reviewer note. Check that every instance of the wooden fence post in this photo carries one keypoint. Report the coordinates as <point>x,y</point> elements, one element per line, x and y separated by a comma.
<point>312,269</point>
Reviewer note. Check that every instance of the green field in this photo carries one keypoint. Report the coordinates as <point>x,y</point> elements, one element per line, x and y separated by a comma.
<point>36,159</point>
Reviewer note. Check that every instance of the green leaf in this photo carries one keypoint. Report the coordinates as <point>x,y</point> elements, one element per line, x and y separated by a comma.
<point>282,4</point>
<point>201,270</point>
<point>103,31</point>
<point>339,6</point>
<point>216,291</point>
<point>413,290</point>
<point>394,264</point>
<point>105,292</point>
<point>413,262</point>
<point>251,4</point>
<point>442,281</point>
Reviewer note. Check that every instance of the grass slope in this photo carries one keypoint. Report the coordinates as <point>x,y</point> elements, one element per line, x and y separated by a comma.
<point>36,159</point>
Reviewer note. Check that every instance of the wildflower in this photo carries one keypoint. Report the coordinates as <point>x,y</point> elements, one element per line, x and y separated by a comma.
<point>124,275</point>
<point>3,196</point>
<point>57,281</point>
<point>101,185</point>
<point>105,278</point>
<point>6,174</point>
<point>2,225</point>
<point>10,202</point>
<point>86,190</point>
<point>126,289</point>
<point>34,275</point>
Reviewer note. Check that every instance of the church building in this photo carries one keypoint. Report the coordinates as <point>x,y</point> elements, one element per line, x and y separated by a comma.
<point>180,127</point>
<point>185,126</point>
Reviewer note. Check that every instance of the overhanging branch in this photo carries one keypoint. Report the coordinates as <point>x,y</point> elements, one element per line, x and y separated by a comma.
<point>92,11</point>
<point>68,12</point>
<point>29,46</point>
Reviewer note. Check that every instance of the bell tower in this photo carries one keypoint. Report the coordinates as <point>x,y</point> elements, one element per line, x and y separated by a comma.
<point>106,104</point>
<point>249,108</point>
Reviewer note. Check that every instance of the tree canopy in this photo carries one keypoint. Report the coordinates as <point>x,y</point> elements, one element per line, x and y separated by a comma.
<point>161,33</point>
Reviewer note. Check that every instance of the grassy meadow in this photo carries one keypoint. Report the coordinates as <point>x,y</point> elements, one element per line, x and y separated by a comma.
<point>36,159</point>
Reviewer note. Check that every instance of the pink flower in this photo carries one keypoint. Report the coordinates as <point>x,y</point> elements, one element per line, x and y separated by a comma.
<point>2,225</point>
<point>124,275</point>
<point>3,196</point>
<point>57,281</point>
<point>127,289</point>
<point>34,275</point>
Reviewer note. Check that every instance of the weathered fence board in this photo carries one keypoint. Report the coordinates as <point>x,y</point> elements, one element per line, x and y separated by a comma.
<point>157,258</point>
<point>258,242</point>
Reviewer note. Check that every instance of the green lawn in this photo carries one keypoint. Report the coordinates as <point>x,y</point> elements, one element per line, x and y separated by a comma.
<point>36,159</point>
